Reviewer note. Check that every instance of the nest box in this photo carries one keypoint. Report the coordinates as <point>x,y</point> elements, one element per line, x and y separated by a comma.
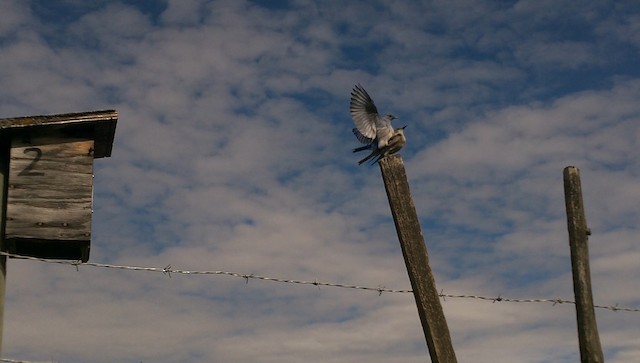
<point>50,183</point>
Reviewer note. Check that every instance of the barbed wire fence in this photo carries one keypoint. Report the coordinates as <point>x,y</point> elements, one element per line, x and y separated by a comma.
<point>168,271</point>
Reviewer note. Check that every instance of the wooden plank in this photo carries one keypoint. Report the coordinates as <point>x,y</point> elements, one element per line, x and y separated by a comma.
<point>50,189</point>
<point>99,126</point>
<point>589,340</point>
<point>416,259</point>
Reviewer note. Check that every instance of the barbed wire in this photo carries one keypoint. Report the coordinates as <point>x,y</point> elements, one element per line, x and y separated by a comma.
<point>23,361</point>
<point>168,270</point>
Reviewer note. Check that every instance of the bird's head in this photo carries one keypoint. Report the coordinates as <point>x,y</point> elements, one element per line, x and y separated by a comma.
<point>391,117</point>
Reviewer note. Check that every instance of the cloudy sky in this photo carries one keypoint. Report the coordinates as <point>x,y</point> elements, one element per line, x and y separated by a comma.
<point>233,153</point>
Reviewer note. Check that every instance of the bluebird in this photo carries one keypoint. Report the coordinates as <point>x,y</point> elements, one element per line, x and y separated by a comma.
<point>371,129</point>
<point>394,144</point>
<point>368,122</point>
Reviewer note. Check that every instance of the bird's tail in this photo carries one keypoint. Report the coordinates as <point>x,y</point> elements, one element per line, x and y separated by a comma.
<point>377,159</point>
<point>373,153</point>
<point>362,148</point>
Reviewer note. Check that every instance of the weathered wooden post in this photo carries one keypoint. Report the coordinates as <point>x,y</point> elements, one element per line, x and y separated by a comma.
<point>416,259</point>
<point>4,178</point>
<point>47,184</point>
<point>589,340</point>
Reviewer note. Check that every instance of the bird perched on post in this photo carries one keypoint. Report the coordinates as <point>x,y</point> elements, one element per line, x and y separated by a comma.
<point>394,144</point>
<point>372,129</point>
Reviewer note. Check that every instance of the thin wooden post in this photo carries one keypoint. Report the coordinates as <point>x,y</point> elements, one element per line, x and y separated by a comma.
<point>416,259</point>
<point>590,349</point>
<point>4,178</point>
<point>46,185</point>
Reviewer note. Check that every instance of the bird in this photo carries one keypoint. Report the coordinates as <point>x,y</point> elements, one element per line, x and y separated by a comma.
<point>370,125</point>
<point>373,130</point>
<point>394,144</point>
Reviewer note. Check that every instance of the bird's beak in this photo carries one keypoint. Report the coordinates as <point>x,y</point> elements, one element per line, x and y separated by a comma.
<point>404,126</point>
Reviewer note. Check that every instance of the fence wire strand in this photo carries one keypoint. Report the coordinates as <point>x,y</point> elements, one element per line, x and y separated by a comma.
<point>168,270</point>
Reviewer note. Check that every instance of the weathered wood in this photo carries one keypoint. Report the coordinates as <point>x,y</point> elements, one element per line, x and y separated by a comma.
<point>99,126</point>
<point>589,340</point>
<point>416,259</point>
<point>49,201</point>
<point>4,179</point>
<point>46,185</point>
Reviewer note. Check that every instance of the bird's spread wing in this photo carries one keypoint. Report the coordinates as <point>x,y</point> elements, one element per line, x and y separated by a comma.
<point>364,112</point>
<point>363,139</point>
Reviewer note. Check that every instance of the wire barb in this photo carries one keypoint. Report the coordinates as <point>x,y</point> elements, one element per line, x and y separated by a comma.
<point>167,270</point>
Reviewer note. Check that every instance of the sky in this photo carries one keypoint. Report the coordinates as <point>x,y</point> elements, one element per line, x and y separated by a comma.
<point>233,153</point>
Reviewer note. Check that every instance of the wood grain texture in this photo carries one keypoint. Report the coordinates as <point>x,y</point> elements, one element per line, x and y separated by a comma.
<point>416,259</point>
<point>4,179</point>
<point>99,126</point>
<point>588,338</point>
<point>49,201</point>
<point>50,192</point>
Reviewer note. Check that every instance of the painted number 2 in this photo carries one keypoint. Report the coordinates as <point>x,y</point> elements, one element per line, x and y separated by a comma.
<point>28,171</point>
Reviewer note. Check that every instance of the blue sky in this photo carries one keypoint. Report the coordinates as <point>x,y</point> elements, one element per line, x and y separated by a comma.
<point>232,152</point>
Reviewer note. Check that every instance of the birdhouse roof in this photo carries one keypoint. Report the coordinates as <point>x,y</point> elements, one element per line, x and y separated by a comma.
<point>97,125</point>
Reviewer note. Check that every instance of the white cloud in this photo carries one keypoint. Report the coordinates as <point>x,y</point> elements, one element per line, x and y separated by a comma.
<point>232,153</point>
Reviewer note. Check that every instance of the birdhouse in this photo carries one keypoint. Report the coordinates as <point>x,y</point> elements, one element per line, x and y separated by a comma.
<point>49,191</point>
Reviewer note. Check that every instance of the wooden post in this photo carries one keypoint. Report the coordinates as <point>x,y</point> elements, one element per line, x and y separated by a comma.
<point>416,259</point>
<point>590,349</point>
<point>46,185</point>
<point>4,177</point>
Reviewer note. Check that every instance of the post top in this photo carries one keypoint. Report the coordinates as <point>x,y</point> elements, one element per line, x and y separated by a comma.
<point>98,125</point>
